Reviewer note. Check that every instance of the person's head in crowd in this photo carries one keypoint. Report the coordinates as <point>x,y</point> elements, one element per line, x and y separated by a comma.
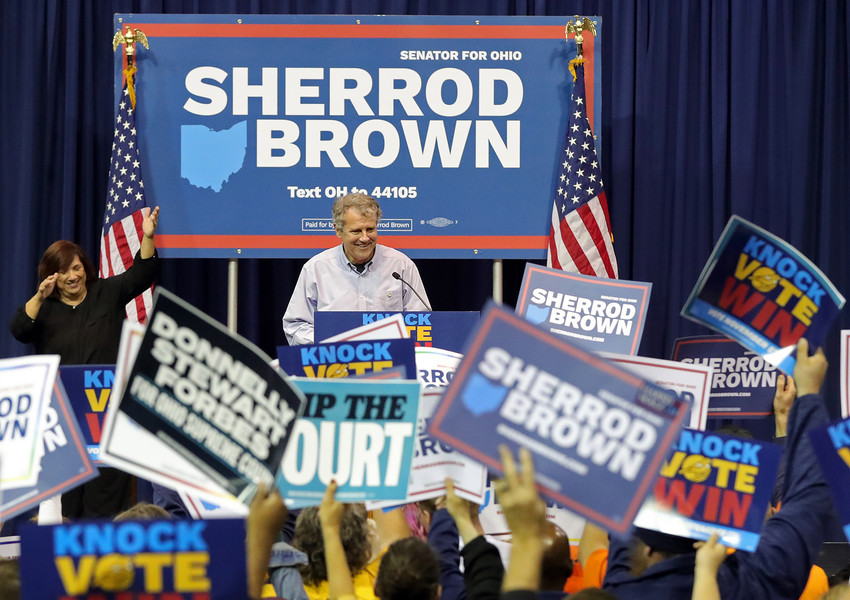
<point>838,592</point>
<point>10,579</point>
<point>355,218</point>
<point>557,565</point>
<point>143,511</point>
<point>356,538</point>
<point>650,547</point>
<point>592,594</point>
<point>418,516</point>
<point>73,265</point>
<point>409,571</point>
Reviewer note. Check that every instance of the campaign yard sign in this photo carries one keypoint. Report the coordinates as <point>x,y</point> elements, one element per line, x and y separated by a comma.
<point>438,329</point>
<point>101,560</point>
<point>389,328</point>
<point>590,424</point>
<point>26,386</point>
<point>434,461</point>
<point>743,382</point>
<point>593,313</point>
<point>832,449</point>
<point>761,291</point>
<point>264,120</point>
<point>89,388</point>
<point>211,395</point>
<point>347,359</point>
<point>65,462</point>
<point>359,432</point>
<point>134,449</point>
<point>435,367</point>
<point>692,383</point>
<point>713,483</point>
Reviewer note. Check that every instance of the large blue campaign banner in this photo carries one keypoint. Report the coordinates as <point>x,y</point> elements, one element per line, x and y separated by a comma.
<point>594,313</point>
<point>65,463</point>
<point>832,449</point>
<point>743,383</point>
<point>104,560</point>
<point>348,359</point>
<point>358,432</point>
<point>713,483</point>
<point>761,291</point>
<point>89,388</point>
<point>446,329</point>
<point>589,424</point>
<point>250,126</point>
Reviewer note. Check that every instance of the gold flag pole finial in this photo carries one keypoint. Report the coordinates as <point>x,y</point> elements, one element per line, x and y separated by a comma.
<point>578,26</point>
<point>128,38</point>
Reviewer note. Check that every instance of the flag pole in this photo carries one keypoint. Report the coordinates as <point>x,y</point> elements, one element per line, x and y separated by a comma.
<point>578,27</point>
<point>128,38</point>
<point>126,204</point>
<point>579,233</point>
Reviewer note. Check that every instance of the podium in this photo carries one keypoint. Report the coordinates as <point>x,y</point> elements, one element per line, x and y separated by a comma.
<point>444,329</point>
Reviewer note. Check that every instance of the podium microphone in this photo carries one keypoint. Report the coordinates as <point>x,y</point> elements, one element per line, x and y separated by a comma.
<point>397,276</point>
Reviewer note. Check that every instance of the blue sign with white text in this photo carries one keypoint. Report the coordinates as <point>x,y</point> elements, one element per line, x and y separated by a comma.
<point>65,465</point>
<point>591,312</point>
<point>743,384</point>
<point>589,424</point>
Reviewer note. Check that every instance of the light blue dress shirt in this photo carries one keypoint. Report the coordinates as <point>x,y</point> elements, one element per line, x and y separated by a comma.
<point>329,282</point>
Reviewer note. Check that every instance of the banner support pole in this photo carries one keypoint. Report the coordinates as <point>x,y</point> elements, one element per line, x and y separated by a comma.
<point>232,293</point>
<point>498,279</point>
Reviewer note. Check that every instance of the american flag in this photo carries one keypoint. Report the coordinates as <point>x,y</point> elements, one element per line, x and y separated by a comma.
<point>122,221</point>
<point>580,235</point>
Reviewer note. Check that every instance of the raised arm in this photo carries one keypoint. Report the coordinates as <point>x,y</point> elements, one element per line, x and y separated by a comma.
<point>266,517</point>
<point>525,513</point>
<point>791,539</point>
<point>45,288</point>
<point>783,398</point>
<point>710,556</point>
<point>340,584</point>
<point>149,225</point>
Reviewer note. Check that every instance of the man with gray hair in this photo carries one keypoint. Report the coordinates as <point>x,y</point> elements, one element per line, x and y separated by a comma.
<point>358,274</point>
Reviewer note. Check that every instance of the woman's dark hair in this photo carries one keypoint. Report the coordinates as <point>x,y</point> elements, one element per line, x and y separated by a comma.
<point>58,257</point>
<point>409,571</point>
<point>353,531</point>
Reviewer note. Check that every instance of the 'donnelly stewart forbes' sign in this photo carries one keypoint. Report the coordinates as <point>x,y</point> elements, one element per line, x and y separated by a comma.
<point>249,127</point>
<point>211,396</point>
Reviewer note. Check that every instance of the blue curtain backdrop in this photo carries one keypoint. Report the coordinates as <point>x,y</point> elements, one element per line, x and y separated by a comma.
<point>710,108</point>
